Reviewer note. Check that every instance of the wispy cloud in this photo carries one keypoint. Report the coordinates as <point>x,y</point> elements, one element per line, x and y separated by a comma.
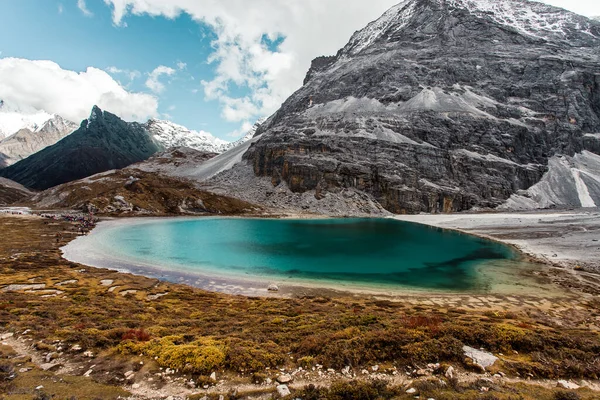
<point>131,74</point>
<point>181,65</point>
<point>83,7</point>
<point>153,82</point>
<point>61,8</point>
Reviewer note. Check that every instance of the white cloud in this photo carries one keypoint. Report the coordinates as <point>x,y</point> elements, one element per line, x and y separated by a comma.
<point>181,65</point>
<point>131,74</point>
<point>310,27</point>
<point>153,83</point>
<point>44,85</point>
<point>83,7</point>
<point>61,8</point>
<point>172,108</point>
<point>241,131</point>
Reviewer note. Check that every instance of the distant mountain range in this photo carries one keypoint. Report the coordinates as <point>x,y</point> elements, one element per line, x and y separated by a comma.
<point>25,133</point>
<point>102,142</point>
<point>30,140</point>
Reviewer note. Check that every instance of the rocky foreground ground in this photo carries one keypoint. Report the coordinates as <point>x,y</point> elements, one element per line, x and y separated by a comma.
<point>70,331</point>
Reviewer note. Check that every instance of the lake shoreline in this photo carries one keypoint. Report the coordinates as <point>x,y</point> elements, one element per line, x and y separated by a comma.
<point>85,250</point>
<point>88,308</point>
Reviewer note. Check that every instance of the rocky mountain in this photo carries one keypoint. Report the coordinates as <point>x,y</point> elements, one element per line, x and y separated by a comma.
<point>11,192</point>
<point>14,119</point>
<point>172,136</point>
<point>30,140</point>
<point>439,106</point>
<point>570,181</point>
<point>103,142</point>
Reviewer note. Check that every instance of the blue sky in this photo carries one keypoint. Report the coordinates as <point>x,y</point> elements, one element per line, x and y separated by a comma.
<point>76,42</point>
<point>225,63</point>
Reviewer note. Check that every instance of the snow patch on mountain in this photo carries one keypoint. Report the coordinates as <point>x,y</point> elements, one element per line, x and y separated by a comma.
<point>172,135</point>
<point>26,142</point>
<point>13,120</point>
<point>397,16</point>
<point>569,182</point>
<point>531,18</point>
<point>528,17</point>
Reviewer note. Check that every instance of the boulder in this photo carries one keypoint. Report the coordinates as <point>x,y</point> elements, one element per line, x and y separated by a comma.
<point>480,357</point>
<point>283,390</point>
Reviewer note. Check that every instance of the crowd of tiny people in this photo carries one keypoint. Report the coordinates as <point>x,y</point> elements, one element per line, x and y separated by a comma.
<point>84,223</point>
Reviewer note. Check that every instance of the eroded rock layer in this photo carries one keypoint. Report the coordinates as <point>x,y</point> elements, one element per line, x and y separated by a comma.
<point>440,105</point>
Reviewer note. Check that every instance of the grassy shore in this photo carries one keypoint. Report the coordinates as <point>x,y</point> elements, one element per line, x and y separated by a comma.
<point>121,333</point>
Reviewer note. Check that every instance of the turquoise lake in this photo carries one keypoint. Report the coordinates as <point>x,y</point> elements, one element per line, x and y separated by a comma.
<point>377,252</point>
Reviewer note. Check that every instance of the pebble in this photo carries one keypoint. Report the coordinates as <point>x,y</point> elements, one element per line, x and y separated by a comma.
<point>213,376</point>
<point>411,391</point>
<point>284,378</point>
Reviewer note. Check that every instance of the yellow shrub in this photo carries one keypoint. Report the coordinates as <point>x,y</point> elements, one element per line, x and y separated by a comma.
<point>201,356</point>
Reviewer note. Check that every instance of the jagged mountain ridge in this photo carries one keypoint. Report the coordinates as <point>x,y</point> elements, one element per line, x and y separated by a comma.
<point>14,119</point>
<point>103,142</point>
<point>26,142</point>
<point>173,136</point>
<point>440,105</point>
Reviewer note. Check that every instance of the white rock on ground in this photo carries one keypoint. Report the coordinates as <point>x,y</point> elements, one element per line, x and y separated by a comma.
<point>567,385</point>
<point>283,390</point>
<point>479,357</point>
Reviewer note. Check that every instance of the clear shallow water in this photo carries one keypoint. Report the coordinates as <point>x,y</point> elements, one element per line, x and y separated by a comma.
<point>378,252</point>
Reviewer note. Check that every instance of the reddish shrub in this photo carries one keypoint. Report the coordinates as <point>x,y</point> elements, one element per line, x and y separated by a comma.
<point>421,321</point>
<point>138,335</point>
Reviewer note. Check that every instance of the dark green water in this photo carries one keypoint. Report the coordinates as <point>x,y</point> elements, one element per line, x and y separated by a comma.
<point>361,251</point>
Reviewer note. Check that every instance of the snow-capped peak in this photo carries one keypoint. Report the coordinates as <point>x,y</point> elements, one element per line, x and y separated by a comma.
<point>528,17</point>
<point>172,135</point>
<point>397,16</point>
<point>13,120</point>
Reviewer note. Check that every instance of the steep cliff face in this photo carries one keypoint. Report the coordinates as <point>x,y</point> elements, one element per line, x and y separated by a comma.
<point>440,105</point>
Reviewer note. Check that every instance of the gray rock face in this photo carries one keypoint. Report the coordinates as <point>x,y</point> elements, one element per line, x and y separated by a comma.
<point>440,106</point>
<point>27,142</point>
<point>103,142</point>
